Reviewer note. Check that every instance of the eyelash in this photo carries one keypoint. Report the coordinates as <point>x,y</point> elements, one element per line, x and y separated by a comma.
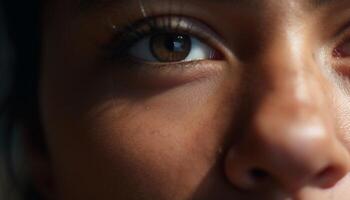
<point>132,33</point>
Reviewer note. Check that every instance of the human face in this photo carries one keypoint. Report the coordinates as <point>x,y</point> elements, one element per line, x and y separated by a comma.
<point>209,100</point>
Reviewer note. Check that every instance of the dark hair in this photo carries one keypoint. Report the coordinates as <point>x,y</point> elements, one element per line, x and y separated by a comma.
<point>19,66</point>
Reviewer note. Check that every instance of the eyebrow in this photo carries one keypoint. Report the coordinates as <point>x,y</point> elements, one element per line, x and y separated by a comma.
<point>313,4</point>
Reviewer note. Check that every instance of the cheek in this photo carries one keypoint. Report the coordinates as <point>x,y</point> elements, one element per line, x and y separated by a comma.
<point>342,111</point>
<point>123,146</point>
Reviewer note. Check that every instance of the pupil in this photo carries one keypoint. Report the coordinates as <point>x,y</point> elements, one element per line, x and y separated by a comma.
<point>175,43</point>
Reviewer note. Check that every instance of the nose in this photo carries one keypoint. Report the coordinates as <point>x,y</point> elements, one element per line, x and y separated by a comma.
<point>291,138</point>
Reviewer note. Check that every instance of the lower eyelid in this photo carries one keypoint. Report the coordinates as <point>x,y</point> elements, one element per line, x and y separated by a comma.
<point>176,73</point>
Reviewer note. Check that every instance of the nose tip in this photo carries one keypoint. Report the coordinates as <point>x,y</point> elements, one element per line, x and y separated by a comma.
<point>256,163</point>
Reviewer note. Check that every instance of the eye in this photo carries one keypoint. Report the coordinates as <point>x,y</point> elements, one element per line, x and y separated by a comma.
<point>343,50</point>
<point>172,47</point>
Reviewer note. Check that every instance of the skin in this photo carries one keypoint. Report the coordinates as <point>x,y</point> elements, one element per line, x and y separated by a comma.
<point>269,121</point>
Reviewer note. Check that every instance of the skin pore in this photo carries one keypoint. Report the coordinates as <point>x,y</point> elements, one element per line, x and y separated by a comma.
<point>264,117</point>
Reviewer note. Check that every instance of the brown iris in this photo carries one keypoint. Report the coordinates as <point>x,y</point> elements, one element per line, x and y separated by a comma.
<point>169,47</point>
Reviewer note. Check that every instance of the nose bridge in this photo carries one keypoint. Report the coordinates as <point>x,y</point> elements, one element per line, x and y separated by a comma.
<point>290,118</point>
<point>293,96</point>
<point>293,89</point>
<point>291,79</point>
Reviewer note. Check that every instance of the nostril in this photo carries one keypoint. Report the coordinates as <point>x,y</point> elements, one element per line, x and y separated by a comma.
<point>258,175</point>
<point>328,177</point>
